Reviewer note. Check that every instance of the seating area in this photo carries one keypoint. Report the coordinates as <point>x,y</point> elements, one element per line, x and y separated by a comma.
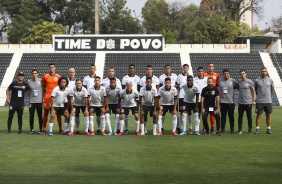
<point>5,59</point>
<point>277,62</point>
<point>158,60</point>
<point>251,62</point>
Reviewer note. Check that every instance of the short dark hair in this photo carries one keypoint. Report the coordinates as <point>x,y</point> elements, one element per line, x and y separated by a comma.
<point>167,79</point>
<point>131,65</point>
<point>210,63</point>
<point>242,71</point>
<point>78,79</point>
<point>113,79</point>
<point>225,70</point>
<point>63,78</point>
<point>91,65</point>
<point>149,66</point>
<point>148,78</point>
<point>51,64</point>
<point>167,65</point>
<point>34,70</point>
<point>210,78</point>
<point>200,68</point>
<point>97,77</point>
<point>185,65</point>
<point>263,68</point>
<point>189,76</point>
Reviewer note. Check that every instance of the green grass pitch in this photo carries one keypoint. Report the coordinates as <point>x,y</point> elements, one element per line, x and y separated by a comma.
<point>149,159</point>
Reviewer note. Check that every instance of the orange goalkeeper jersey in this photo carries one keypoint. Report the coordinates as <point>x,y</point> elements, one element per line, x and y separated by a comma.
<point>214,76</point>
<point>50,82</point>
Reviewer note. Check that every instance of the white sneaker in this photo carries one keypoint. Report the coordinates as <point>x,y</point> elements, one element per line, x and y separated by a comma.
<point>145,130</point>
<point>155,133</point>
<point>142,133</point>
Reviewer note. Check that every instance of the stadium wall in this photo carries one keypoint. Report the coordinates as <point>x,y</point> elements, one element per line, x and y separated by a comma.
<point>276,48</point>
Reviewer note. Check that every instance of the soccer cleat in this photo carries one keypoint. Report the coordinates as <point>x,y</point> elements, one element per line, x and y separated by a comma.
<point>120,134</point>
<point>115,133</point>
<point>77,132</point>
<point>126,132</point>
<point>197,133</point>
<point>207,133</point>
<point>9,131</point>
<point>174,133</point>
<point>66,132</point>
<point>183,133</point>
<point>239,132</point>
<point>160,133</point>
<point>142,134</point>
<point>98,132</point>
<point>92,133</point>
<point>50,133</point>
<point>190,131</point>
<point>268,131</point>
<point>162,130</point>
<point>70,133</point>
<point>178,130</point>
<point>103,133</point>
<point>155,133</point>
<point>204,130</point>
<point>61,132</point>
<point>257,131</point>
<point>43,132</point>
<point>20,132</point>
<point>31,131</point>
<point>87,133</point>
<point>218,133</point>
<point>137,133</point>
<point>212,130</point>
<point>110,133</point>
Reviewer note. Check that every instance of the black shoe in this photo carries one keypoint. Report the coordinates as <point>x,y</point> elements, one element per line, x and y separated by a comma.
<point>31,131</point>
<point>212,130</point>
<point>9,131</point>
<point>232,131</point>
<point>218,133</point>
<point>250,131</point>
<point>268,131</point>
<point>98,132</point>
<point>162,130</point>
<point>43,132</point>
<point>222,131</point>
<point>178,130</point>
<point>61,132</point>
<point>257,131</point>
<point>20,132</point>
<point>126,132</point>
<point>118,131</point>
<point>207,133</point>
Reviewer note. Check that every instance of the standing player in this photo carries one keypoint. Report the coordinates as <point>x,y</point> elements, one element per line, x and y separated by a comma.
<point>182,79</point>
<point>226,91</point>
<point>49,82</point>
<point>129,96</point>
<point>215,77</point>
<point>79,102</point>
<point>135,81</point>
<point>35,100</point>
<point>245,100</point>
<point>264,88</point>
<point>113,91</point>
<point>202,82</point>
<point>155,83</point>
<point>173,78</point>
<point>148,103</point>
<point>191,98</point>
<point>88,81</point>
<point>97,97</point>
<point>111,74</point>
<point>210,104</point>
<point>167,101</point>
<point>16,103</point>
<point>58,108</point>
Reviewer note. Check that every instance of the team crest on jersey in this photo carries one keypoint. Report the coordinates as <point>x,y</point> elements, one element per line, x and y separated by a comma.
<point>268,83</point>
<point>212,92</point>
<point>230,83</point>
<point>55,78</point>
<point>246,84</point>
<point>214,77</point>
<point>38,82</point>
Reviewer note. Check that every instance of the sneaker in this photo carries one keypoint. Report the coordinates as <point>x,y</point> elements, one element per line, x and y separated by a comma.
<point>110,133</point>
<point>115,133</point>
<point>218,133</point>
<point>31,131</point>
<point>20,132</point>
<point>239,132</point>
<point>142,134</point>
<point>98,132</point>
<point>204,130</point>
<point>43,132</point>
<point>92,133</point>
<point>183,133</point>
<point>77,132</point>
<point>197,133</point>
<point>146,131</point>
<point>66,133</point>
<point>70,133</point>
<point>174,133</point>
<point>137,133</point>
<point>155,133</point>
<point>118,131</point>
<point>87,133</point>
<point>207,133</point>
<point>9,131</point>
<point>104,133</point>
<point>212,130</point>
<point>61,132</point>
<point>160,133</point>
<point>178,130</point>
<point>190,131</point>
<point>268,131</point>
<point>232,131</point>
<point>162,130</point>
<point>126,132</point>
<point>257,131</point>
<point>250,131</point>
<point>120,134</point>
<point>50,133</point>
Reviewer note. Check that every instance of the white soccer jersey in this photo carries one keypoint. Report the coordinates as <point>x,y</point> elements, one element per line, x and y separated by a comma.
<point>167,97</point>
<point>113,94</point>
<point>148,95</point>
<point>155,81</point>
<point>88,81</point>
<point>97,96</point>
<point>134,80</point>
<point>173,78</point>
<point>202,82</point>
<point>106,82</point>
<point>71,85</point>
<point>181,79</point>
<point>129,99</point>
<point>59,96</point>
<point>190,93</point>
<point>79,96</point>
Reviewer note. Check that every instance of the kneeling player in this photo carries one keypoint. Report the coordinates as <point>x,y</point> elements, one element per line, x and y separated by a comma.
<point>58,96</point>
<point>148,103</point>
<point>129,97</point>
<point>167,101</point>
<point>78,100</point>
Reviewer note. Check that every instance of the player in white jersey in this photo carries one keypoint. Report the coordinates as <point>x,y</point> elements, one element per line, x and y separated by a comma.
<point>113,91</point>
<point>129,97</point>
<point>135,81</point>
<point>167,101</point>
<point>155,82</point>
<point>58,96</point>
<point>97,98</point>
<point>190,102</point>
<point>78,101</point>
<point>148,103</point>
<point>88,81</point>
<point>202,82</point>
<point>111,74</point>
<point>181,79</point>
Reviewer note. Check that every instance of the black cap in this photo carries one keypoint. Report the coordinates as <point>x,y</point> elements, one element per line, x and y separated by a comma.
<point>20,74</point>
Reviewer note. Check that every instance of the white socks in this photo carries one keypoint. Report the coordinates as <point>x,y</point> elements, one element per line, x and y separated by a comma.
<point>98,119</point>
<point>103,122</point>
<point>163,119</point>
<point>72,123</point>
<point>190,121</point>
<point>126,122</point>
<point>196,121</point>
<point>137,124</point>
<point>117,122</point>
<point>91,123</point>
<point>66,127</point>
<point>174,123</point>
<point>121,123</point>
<point>155,128</point>
<point>183,125</point>
<point>108,121</point>
<point>142,128</point>
<point>86,121</point>
<point>160,123</point>
<point>77,123</point>
<point>50,127</point>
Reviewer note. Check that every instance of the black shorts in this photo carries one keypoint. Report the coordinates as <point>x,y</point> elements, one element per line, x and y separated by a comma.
<point>181,105</point>
<point>125,110</point>
<point>66,105</point>
<point>189,106</point>
<point>60,110</point>
<point>266,107</point>
<point>97,110</point>
<point>147,109</point>
<point>166,108</point>
<point>113,108</point>
<point>77,109</point>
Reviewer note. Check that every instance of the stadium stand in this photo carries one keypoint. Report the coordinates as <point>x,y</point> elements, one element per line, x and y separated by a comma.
<point>121,61</point>
<point>5,59</point>
<point>251,62</point>
<point>277,63</point>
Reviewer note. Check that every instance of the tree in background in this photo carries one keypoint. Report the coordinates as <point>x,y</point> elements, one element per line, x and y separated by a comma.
<point>247,31</point>
<point>276,23</point>
<point>42,33</point>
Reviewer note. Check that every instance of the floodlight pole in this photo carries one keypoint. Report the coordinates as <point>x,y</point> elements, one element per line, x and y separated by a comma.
<point>96,5</point>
